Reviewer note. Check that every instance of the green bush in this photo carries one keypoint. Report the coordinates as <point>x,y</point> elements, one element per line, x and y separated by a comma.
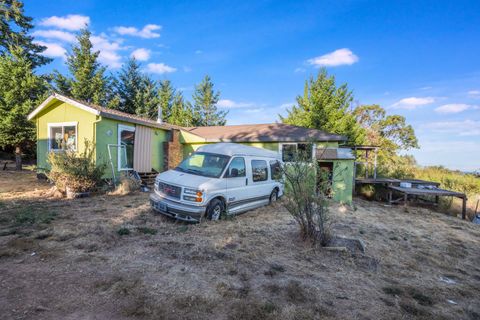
<point>76,171</point>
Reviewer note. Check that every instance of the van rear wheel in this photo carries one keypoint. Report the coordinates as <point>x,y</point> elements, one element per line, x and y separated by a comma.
<point>273,196</point>
<point>215,209</point>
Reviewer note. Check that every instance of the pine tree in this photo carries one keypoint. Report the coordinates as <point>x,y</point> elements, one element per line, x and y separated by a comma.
<point>205,111</point>
<point>326,107</point>
<point>21,90</point>
<point>166,94</point>
<point>88,81</point>
<point>146,100</point>
<point>181,114</point>
<point>128,85</point>
<point>14,30</point>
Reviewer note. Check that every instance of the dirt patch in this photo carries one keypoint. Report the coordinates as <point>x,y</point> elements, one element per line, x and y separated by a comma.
<point>111,257</point>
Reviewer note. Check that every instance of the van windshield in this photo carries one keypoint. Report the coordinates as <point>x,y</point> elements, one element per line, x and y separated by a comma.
<point>204,164</point>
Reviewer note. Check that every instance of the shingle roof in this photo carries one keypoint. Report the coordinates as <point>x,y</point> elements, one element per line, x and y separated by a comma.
<point>270,132</point>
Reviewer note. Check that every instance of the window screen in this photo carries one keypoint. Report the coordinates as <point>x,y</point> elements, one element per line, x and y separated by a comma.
<point>259,170</point>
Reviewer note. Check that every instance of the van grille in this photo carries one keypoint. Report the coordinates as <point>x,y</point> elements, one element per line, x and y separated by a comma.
<point>169,190</point>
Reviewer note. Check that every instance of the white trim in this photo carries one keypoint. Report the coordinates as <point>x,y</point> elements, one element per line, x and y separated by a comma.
<point>120,128</point>
<point>64,99</point>
<point>61,125</point>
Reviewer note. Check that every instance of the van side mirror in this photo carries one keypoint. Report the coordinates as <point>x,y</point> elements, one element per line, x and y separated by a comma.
<point>233,173</point>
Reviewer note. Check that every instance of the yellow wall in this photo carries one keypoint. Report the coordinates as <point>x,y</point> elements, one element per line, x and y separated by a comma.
<point>62,112</point>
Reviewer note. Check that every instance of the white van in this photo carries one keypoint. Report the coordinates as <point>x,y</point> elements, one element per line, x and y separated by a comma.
<point>218,178</point>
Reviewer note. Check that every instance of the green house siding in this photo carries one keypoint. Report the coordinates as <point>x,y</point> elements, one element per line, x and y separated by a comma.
<point>60,112</point>
<point>107,133</point>
<point>342,180</point>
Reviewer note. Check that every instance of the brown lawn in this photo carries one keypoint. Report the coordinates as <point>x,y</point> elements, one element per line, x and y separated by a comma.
<point>73,259</point>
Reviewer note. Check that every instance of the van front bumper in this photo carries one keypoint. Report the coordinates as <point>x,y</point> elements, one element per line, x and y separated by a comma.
<point>175,209</point>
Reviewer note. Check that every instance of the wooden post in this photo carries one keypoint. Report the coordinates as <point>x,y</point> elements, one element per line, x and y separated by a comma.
<point>366,164</point>
<point>389,196</point>
<point>375,166</point>
<point>464,207</point>
<point>405,200</point>
<point>18,158</point>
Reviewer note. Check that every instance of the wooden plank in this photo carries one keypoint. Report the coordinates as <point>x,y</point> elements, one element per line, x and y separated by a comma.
<point>464,207</point>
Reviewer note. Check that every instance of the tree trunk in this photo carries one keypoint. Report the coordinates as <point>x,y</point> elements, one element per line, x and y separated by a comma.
<point>18,158</point>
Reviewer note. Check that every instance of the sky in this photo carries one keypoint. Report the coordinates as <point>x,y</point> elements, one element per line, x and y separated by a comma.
<point>419,59</point>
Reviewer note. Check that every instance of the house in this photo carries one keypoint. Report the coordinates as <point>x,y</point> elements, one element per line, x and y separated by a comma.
<point>129,142</point>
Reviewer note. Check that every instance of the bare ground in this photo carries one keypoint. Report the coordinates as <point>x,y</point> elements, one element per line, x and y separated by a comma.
<point>111,257</point>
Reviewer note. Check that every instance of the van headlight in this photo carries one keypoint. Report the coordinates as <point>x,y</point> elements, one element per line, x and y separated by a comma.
<point>193,195</point>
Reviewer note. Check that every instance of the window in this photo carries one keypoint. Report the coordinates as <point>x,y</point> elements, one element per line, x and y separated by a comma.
<point>62,136</point>
<point>292,151</point>
<point>236,168</point>
<point>259,170</point>
<point>126,140</point>
<point>275,170</point>
<point>204,164</point>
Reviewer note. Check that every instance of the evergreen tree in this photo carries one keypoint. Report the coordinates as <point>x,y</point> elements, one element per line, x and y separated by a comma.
<point>166,94</point>
<point>146,100</point>
<point>88,81</point>
<point>21,91</point>
<point>14,30</point>
<point>326,107</point>
<point>182,114</point>
<point>205,111</point>
<point>128,85</point>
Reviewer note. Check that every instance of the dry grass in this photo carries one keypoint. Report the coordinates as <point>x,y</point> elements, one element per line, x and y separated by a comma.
<point>76,265</point>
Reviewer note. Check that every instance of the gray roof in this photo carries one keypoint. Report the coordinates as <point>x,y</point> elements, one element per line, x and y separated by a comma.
<point>270,132</point>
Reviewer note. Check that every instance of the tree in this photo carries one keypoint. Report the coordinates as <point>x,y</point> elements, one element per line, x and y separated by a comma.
<point>166,94</point>
<point>182,114</point>
<point>14,30</point>
<point>205,111</point>
<point>146,100</point>
<point>326,107</point>
<point>130,82</point>
<point>21,90</point>
<point>88,81</point>
<point>390,133</point>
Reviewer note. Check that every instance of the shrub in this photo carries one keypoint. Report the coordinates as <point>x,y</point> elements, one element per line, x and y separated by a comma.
<point>306,200</point>
<point>77,171</point>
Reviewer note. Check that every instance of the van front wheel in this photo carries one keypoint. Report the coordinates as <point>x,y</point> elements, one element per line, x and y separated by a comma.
<point>215,209</point>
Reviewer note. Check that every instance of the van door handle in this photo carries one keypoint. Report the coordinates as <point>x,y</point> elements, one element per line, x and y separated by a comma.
<point>246,181</point>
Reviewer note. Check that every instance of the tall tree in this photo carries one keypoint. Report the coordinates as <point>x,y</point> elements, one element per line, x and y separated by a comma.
<point>87,79</point>
<point>21,90</point>
<point>166,94</point>
<point>182,114</point>
<point>146,100</point>
<point>128,85</point>
<point>14,31</point>
<point>205,112</point>
<point>326,106</point>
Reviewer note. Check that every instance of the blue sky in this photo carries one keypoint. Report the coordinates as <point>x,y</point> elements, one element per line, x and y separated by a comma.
<point>420,59</point>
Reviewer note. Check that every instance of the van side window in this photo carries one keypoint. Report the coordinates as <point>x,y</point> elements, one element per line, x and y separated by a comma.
<point>259,170</point>
<point>236,168</point>
<point>276,170</point>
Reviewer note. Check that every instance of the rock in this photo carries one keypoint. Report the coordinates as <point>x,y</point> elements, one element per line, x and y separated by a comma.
<point>351,244</point>
<point>41,309</point>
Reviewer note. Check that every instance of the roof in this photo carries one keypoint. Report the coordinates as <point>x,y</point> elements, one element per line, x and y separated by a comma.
<point>101,111</point>
<point>334,154</point>
<point>234,149</point>
<point>270,132</point>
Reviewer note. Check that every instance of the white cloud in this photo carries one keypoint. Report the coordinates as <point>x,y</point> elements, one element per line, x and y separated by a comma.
<point>413,102</point>
<point>108,51</point>
<point>68,22</point>
<point>54,50</point>
<point>230,104</point>
<point>198,52</point>
<point>141,54</point>
<point>160,68</point>
<point>147,32</point>
<point>336,58</point>
<point>460,128</point>
<point>453,108</point>
<point>474,92</point>
<point>299,70</point>
<point>255,110</point>
<point>55,34</point>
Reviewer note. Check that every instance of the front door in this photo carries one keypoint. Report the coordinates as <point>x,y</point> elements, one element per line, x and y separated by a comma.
<point>325,178</point>
<point>236,176</point>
